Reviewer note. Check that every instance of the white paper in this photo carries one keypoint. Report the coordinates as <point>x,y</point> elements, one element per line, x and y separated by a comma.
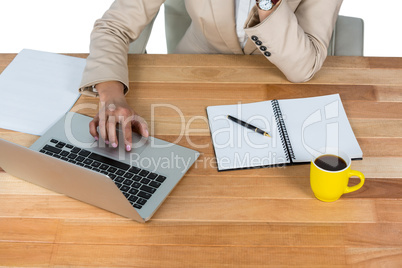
<point>37,89</point>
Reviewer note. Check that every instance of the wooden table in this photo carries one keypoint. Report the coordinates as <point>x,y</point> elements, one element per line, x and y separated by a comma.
<point>253,218</point>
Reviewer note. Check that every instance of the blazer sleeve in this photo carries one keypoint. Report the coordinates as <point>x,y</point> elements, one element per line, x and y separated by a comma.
<point>121,24</point>
<point>295,41</point>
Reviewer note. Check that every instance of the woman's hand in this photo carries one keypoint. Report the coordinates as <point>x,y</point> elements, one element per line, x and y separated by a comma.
<point>115,109</point>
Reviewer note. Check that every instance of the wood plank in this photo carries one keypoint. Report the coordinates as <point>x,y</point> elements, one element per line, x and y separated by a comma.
<point>201,209</point>
<point>216,186</point>
<point>28,230</point>
<point>231,234</point>
<point>257,61</point>
<point>199,234</point>
<point>387,77</point>
<point>259,210</point>
<point>381,146</point>
<point>374,257</point>
<point>373,235</point>
<point>376,128</point>
<point>25,254</point>
<point>253,92</point>
<point>376,188</point>
<point>389,211</point>
<point>389,93</point>
<point>20,138</point>
<point>12,185</point>
<point>51,206</point>
<point>192,256</point>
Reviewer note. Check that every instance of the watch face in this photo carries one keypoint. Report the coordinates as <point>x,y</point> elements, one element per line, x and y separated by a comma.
<point>265,4</point>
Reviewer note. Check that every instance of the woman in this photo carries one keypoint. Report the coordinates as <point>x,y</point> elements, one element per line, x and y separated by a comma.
<point>292,34</point>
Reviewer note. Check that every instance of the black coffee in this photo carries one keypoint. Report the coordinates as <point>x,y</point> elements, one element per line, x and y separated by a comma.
<point>330,162</point>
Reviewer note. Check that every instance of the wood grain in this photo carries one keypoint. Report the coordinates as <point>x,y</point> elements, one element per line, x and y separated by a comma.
<point>246,218</point>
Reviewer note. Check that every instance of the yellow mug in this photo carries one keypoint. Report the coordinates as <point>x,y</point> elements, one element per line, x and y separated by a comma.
<point>329,176</point>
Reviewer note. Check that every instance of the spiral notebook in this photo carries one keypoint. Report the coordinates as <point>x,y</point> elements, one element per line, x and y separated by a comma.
<point>300,129</point>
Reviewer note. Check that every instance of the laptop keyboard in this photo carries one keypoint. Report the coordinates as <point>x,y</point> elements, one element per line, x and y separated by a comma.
<point>137,185</point>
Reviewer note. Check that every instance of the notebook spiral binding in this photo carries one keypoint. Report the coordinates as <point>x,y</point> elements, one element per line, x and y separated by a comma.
<point>287,146</point>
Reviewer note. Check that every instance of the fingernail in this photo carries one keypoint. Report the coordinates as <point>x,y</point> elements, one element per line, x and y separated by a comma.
<point>128,148</point>
<point>147,133</point>
<point>96,138</point>
<point>114,145</point>
<point>107,142</point>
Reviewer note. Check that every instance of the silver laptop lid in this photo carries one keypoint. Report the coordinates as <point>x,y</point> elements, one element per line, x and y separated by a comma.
<point>73,128</point>
<point>63,177</point>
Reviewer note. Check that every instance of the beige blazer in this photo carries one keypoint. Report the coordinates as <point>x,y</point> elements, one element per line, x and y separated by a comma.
<point>295,37</point>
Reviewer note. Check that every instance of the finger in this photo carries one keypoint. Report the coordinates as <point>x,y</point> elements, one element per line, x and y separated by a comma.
<point>127,132</point>
<point>92,127</point>
<point>140,126</point>
<point>102,130</point>
<point>111,131</point>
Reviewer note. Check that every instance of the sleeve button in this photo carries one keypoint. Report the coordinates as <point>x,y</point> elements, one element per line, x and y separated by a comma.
<point>263,48</point>
<point>258,43</point>
<point>254,38</point>
<point>267,53</point>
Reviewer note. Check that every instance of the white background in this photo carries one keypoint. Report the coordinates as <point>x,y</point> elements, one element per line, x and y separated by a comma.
<point>64,26</point>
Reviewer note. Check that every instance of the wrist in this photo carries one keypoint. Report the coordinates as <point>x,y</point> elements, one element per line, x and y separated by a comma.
<point>263,14</point>
<point>110,89</point>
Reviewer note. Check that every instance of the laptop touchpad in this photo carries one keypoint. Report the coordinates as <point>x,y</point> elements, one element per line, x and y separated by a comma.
<point>139,144</point>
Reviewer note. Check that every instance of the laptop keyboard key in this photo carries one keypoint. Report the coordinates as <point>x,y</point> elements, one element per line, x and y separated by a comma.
<point>84,153</point>
<point>152,175</point>
<point>119,179</point>
<point>134,170</point>
<point>160,178</point>
<point>145,181</point>
<point>133,191</point>
<point>136,185</point>
<point>104,167</point>
<point>124,188</point>
<point>148,189</point>
<point>144,195</point>
<point>75,150</point>
<point>120,172</point>
<point>144,173</point>
<point>155,184</point>
<point>59,146</point>
<point>128,175</point>
<point>137,178</point>
<point>95,164</point>
<point>80,158</point>
<point>141,201</point>
<point>112,169</point>
<point>52,149</point>
<point>133,198</point>
<point>128,182</point>
<point>72,156</point>
<point>88,161</point>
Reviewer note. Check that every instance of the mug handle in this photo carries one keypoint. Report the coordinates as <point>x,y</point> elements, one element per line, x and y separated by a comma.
<point>358,186</point>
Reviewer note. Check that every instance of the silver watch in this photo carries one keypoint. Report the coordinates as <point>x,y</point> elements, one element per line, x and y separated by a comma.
<point>265,4</point>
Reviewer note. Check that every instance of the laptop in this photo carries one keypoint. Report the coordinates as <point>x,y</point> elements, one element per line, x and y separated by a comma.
<point>68,160</point>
